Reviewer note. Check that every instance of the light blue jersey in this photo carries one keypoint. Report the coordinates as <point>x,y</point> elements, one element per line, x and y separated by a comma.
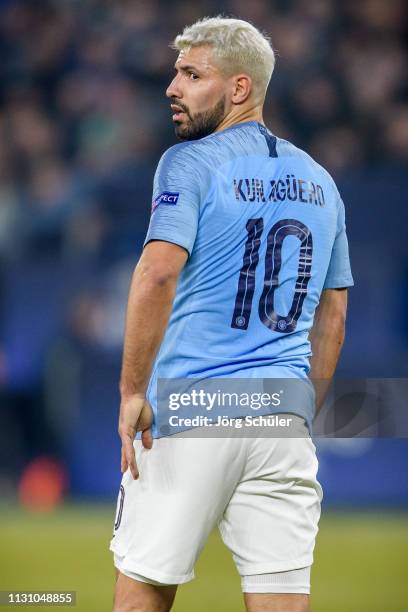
<point>264,227</point>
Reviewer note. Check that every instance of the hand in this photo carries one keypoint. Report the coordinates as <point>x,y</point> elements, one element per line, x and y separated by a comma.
<point>135,415</point>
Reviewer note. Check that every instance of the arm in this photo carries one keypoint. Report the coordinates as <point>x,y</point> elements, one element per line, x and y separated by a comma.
<point>151,296</point>
<point>326,338</point>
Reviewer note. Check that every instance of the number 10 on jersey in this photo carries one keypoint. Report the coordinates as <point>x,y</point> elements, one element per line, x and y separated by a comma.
<point>273,262</point>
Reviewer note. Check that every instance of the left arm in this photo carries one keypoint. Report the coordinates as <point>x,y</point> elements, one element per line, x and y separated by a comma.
<point>151,296</point>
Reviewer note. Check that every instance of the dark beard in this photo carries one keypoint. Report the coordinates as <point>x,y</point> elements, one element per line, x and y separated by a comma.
<point>201,124</point>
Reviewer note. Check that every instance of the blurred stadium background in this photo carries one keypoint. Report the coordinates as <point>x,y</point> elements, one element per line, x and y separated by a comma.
<point>83,122</point>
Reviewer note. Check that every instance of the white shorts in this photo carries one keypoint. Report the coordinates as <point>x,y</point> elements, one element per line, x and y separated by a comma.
<point>261,492</point>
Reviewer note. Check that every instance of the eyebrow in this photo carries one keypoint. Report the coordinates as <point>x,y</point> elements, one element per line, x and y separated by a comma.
<point>186,67</point>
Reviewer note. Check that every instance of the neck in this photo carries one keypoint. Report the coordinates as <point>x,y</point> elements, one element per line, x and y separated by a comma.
<point>241,116</point>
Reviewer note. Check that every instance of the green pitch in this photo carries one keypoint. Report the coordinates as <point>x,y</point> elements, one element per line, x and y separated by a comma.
<point>360,564</point>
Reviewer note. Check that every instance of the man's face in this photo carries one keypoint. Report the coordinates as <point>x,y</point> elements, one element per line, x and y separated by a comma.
<point>198,94</point>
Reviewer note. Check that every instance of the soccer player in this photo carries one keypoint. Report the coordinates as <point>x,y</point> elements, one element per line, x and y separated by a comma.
<point>244,273</point>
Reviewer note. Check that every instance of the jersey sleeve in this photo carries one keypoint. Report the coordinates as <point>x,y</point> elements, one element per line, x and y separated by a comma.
<point>339,270</point>
<point>178,189</point>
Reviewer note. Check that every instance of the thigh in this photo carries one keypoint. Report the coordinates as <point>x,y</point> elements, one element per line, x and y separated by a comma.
<point>271,521</point>
<point>164,518</point>
<point>260,602</point>
<point>132,594</point>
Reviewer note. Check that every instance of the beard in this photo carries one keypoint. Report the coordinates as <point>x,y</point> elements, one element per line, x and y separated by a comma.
<point>201,124</point>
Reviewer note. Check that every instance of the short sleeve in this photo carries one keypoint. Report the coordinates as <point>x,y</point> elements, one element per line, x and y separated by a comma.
<point>339,270</point>
<point>177,192</point>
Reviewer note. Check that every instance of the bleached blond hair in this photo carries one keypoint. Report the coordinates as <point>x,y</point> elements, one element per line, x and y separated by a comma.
<point>237,47</point>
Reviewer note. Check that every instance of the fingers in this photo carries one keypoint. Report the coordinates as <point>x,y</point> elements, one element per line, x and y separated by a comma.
<point>129,457</point>
<point>145,425</point>
<point>123,462</point>
<point>135,415</point>
<point>147,438</point>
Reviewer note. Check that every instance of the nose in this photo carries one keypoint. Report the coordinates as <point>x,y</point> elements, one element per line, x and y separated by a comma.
<point>173,90</point>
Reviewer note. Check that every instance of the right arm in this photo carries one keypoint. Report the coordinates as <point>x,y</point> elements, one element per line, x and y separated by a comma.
<point>326,338</point>
<point>327,333</point>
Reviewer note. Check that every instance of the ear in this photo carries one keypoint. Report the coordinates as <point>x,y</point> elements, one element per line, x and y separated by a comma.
<point>242,88</point>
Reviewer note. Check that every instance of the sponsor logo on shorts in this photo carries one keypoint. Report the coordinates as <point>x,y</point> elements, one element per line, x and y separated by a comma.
<point>170,198</point>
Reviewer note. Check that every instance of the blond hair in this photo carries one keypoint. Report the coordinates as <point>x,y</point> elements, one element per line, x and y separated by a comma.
<point>237,46</point>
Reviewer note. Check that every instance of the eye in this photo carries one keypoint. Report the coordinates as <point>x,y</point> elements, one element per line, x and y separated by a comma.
<point>192,76</point>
